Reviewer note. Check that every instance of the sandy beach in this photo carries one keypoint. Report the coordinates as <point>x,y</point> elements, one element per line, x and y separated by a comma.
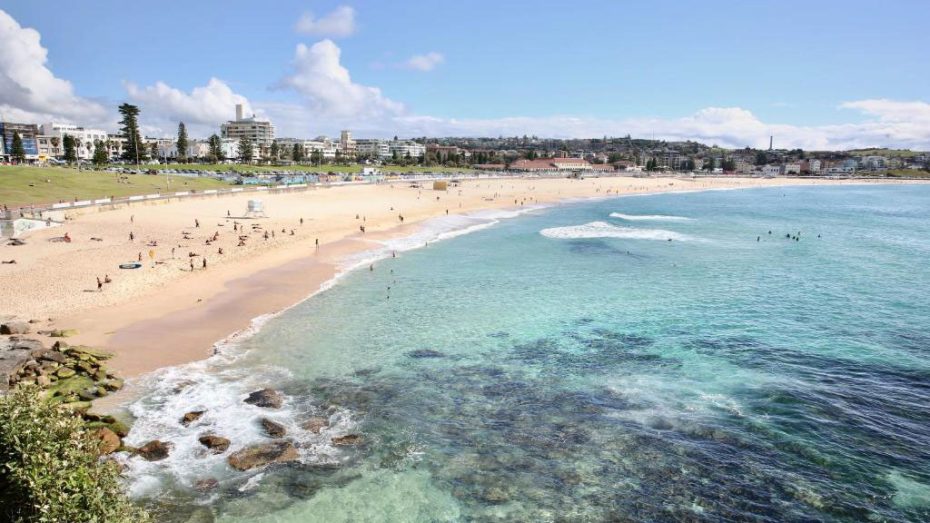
<point>172,310</point>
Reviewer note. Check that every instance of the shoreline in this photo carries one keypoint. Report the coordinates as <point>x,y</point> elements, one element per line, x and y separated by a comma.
<point>182,321</point>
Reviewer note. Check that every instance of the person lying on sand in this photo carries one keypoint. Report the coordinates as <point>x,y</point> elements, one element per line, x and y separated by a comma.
<point>10,262</point>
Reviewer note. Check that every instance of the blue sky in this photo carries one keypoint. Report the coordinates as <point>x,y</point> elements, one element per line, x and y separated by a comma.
<point>828,73</point>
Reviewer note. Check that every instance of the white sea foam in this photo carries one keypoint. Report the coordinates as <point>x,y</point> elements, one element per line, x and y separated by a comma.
<point>649,217</point>
<point>606,230</point>
<point>218,389</point>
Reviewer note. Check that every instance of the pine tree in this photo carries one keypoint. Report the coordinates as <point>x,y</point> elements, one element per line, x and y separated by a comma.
<point>134,151</point>
<point>245,150</point>
<point>297,153</point>
<point>182,143</point>
<point>17,152</point>
<point>69,145</point>
<point>153,150</point>
<point>275,150</point>
<point>216,148</point>
<point>100,154</point>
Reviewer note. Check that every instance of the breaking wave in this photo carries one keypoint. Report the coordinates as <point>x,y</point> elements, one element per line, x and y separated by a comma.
<point>649,217</point>
<point>606,230</point>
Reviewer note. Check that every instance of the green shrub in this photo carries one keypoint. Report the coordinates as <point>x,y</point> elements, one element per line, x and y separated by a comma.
<point>49,467</point>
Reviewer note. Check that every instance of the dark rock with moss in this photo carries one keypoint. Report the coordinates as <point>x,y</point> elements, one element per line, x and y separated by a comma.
<point>154,450</point>
<point>263,454</point>
<point>216,444</point>
<point>206,484</point>
<point>315,424</point>
<point>347,440</point>
<point>266,398</point>
<point>273,429</point>
<point>191,417</point>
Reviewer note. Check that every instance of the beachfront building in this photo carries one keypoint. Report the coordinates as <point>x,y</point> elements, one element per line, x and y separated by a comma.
<point>49,147</point>
<point>261,132</point>
<point>322,145</point>
<point>373,148</point>
<point>407,148</point>
<point>347,145</point>
<point>28,133</point>
<point>771,170</point>
<point>793,168</point>
<point>84,139</point>
<point>872,163</point>
<point>552,164</point>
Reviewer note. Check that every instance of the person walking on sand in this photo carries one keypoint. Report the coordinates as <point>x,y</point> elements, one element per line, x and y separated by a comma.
<point>196,223</point>
<point>205,264</point>
<point>192,265</point>
<point>317,243</point>
<point>99,284</point>
<point>132,237</point>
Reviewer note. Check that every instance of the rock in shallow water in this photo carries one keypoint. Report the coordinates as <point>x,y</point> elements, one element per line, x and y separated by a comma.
<point>191,417</point>
<point>347,440</point>
<point>217,444</point>
<point>263,454</point>
<point>266,398</point>
<point>275,430</point>
<point>206,485</point>
<point>154,450</point>
<point>316,424</point>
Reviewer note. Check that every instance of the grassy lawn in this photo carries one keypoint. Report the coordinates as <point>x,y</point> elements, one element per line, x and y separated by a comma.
<point>909,173</point>
<point>307,168</point>
<point>39,185</point>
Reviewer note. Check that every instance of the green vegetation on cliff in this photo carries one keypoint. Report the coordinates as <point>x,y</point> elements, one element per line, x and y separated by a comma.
<point>50,466</point>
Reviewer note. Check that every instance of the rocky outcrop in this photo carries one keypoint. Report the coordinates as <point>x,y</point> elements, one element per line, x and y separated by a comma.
<point>263,454</point>
<point>216,444</point>
<point>109,440</point>
<point>275,430</point>
<point>191,417</point>
<point>206,485</point>
<point>266,398</point>
<point>347,440</point>
<point>14,327</point>
<point>72,376</point>
<point>154,450</point>
<point>315,424</point>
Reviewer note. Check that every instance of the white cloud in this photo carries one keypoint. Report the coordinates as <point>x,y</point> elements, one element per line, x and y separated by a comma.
<point>202,110</point>
<point>29,91</point>
<point>339,23</point>
<point>327,87</point>
<point>425,62</point>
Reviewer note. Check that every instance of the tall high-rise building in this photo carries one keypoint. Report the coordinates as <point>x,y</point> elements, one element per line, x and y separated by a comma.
<point>261,132</point>
<point>347,145</point>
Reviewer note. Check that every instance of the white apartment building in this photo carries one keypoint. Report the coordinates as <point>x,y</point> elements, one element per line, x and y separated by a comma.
<point>85,138</point>
<point>793,168</point>
<point>404,148</point>
<point>771,170</point>
<point>261,132</point>
<point>373,148</point>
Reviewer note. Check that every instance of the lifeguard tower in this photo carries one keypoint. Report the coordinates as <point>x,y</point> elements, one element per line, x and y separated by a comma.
<point>256,209</point>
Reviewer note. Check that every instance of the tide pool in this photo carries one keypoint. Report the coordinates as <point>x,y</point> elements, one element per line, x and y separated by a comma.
<point>757,354</point>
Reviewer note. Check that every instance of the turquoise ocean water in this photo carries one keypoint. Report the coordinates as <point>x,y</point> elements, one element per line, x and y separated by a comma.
<point>573,364</point>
